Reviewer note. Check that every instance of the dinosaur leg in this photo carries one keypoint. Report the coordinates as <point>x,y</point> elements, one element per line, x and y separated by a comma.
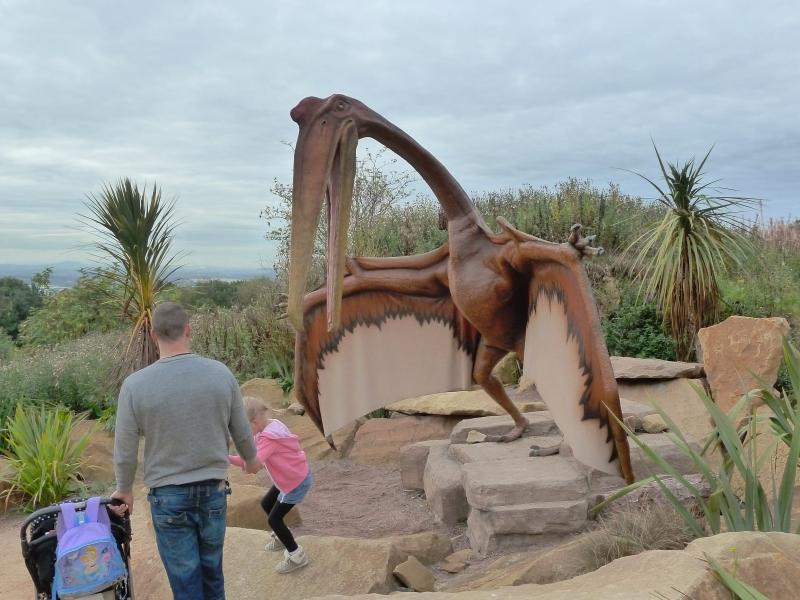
<point>485,360</point>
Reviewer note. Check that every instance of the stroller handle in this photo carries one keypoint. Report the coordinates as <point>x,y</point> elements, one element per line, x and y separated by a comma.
<point>55,509</point>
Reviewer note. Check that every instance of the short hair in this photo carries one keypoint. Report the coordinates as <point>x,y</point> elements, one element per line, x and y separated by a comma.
<point>169,321</point>
<point>254,407</point>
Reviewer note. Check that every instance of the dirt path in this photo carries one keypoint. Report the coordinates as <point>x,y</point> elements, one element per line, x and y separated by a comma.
<point>347,499</point>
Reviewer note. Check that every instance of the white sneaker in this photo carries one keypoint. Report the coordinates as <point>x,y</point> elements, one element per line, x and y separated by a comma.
<point>293,561</point>
<point>274,544</point>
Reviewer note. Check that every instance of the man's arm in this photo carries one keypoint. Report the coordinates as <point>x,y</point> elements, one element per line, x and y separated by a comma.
<point>126,448</point>
<point>240,430</point>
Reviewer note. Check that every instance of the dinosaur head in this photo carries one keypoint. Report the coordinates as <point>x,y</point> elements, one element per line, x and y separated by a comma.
<point>324,173</point>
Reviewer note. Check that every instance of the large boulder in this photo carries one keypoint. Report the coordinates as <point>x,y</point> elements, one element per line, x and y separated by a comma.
<point>626,367</point>
<point>740,354</point>
<point>770,562</point>
<point>380,440</point>
<point>338,565</point>
<point>444,490</point>
<point>413,459</point>
<point>266,390</point>
<point>679,398</point>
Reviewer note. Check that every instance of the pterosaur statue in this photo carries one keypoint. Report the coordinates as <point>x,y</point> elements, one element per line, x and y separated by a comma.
<point>384,329</point>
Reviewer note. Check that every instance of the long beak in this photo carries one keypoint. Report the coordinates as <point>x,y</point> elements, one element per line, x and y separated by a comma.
<point>324,165</point>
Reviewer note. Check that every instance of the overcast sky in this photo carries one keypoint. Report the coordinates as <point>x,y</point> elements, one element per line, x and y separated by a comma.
<point>196,96</point>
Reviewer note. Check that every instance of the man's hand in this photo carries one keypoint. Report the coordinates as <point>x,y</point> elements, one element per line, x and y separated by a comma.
<point>127,503</point>
<point>253,467</point>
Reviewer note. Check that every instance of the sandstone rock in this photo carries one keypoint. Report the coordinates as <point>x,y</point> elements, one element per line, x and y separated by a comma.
<point>634,409</point>
<point>508,369</point>
<point>651,368</point>
<point>380,440</point>
<point>413,458</point>
<point>464,555</point>
<point>535,406</point>
<point>414,575</point>
<point>296,408</point>
<point>566,560</point>
<point>524,394</point>
<point>522,481</point>
<point>469,403</point>
<point>428,547</point>
<point>633,422</point>
<point>266,390</point>
<point>453,567</point>
<point>663,446</point>
<point>678,398</point>
<point>742,353</point>
<point>474,437</point>
<point>443,488</point>
<point>770,562</point>
<point>338,565</point>
<point>654,424</point>
<point>515,526</point>
<point>541,424</point>
<point>244,509</point>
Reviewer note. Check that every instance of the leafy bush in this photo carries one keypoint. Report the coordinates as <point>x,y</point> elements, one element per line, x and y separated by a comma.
<point>73,312</point>
<point>634,328</point>
<point>73,374</point>
<point>17,299</point>
<point>251,341</point>
<point>45,462</point>
<point>738,499</point>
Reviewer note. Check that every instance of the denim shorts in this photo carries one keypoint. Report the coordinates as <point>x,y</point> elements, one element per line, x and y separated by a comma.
<point>297,495</point>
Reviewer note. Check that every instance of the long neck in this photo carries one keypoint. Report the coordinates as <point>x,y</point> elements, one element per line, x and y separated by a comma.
<point>448,191</point>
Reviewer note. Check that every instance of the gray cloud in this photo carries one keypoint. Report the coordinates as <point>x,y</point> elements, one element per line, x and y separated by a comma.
<point>196,97</point>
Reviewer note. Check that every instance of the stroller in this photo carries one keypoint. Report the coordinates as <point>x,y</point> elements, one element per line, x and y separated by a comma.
<point>38,537</point>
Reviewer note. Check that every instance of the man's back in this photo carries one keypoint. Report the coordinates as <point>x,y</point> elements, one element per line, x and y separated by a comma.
<point>183,405</point>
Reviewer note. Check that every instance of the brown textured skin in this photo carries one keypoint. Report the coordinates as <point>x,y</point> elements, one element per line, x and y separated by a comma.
<point>484,284</point>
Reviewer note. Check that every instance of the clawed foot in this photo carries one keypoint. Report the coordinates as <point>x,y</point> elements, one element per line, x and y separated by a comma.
<point>514,434</point>
<point>581,244</point>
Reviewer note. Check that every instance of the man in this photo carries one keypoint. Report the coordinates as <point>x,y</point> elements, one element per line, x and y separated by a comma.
<point>187,408</point>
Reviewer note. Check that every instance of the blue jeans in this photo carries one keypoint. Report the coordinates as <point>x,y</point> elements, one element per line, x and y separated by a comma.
<point>189,521</point>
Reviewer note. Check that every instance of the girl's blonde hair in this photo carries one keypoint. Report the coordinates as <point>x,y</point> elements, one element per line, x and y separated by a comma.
<point>253,407</point>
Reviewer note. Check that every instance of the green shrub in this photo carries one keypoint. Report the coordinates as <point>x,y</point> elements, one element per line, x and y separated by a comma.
<point>72,313</point>
<point>7,346</point>
<point>44,461</point>
<point>76,374</point>
<point>634,328</point>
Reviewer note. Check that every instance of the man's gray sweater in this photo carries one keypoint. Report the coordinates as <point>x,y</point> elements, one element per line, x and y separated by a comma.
<point>187,408</point>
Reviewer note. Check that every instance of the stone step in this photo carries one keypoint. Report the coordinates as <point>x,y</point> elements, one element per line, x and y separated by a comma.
<point>413,459</point>
<point>541,424</point>
<point>488,451</point>
<point>497,483</point>
<point>444,490</point>
<point>523,525</point>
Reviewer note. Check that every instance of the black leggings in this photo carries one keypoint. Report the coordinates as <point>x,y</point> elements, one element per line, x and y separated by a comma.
<point>275,512</point>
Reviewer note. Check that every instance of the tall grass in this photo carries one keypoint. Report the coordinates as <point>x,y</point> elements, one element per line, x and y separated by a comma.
<point>250,340</point>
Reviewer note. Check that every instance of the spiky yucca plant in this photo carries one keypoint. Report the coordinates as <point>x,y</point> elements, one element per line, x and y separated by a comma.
<point>681,258</point>
<point>136,231</point>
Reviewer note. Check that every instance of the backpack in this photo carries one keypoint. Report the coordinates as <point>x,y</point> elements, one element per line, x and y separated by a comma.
<point>87,557</point>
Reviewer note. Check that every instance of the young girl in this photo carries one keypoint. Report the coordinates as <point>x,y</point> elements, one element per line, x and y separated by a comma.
<point>279,450</point>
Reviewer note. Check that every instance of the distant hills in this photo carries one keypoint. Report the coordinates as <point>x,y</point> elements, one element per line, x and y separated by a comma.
<point>66,273</point>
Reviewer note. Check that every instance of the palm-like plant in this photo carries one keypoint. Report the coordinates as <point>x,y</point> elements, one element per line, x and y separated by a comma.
<point>136,232</point>
<point>681,258</point>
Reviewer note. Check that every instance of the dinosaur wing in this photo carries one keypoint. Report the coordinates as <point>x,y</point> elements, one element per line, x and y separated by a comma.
<point>566,357</point>
<point>400,336</point>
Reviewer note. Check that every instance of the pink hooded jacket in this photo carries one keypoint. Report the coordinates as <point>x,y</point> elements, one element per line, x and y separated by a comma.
<point>280,451</point>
